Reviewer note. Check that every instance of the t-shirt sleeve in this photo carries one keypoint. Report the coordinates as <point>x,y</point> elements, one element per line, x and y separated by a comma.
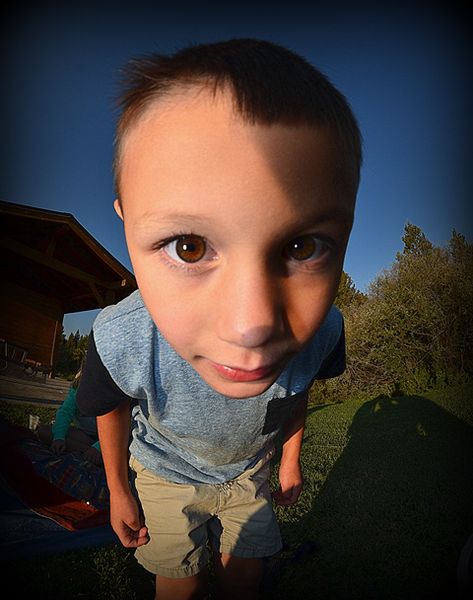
<point>335,363</point>
<point>97,393</point>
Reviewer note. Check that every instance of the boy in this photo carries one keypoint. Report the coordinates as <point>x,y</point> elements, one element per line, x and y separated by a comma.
<point>237,167</point>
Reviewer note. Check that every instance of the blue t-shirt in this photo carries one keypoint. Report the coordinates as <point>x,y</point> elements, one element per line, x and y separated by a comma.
<point>183,430</point>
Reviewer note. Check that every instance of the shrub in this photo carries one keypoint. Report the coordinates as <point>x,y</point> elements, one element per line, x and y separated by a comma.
<point>414,329</point>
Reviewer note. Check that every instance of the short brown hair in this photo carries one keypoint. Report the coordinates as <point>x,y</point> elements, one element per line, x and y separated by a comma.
<point>270,84</point>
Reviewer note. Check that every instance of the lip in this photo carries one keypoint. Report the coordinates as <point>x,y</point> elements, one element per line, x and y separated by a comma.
<point>241,375</point>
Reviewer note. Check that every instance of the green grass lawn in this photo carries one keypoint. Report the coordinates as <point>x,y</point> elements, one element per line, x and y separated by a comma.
<point>388,498</point>
<point>386,508</point>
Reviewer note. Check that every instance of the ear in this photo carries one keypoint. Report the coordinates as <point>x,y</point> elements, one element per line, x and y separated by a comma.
<point>118,208</point>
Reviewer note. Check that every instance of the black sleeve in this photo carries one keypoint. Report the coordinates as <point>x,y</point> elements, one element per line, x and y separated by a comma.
<point>335,363</point>
<point>97,393</point>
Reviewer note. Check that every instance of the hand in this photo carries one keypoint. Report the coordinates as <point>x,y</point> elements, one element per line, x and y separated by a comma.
<point>290,479</point>
<point>93,455</point>
<point>58,446</point>
<point>126,521</point>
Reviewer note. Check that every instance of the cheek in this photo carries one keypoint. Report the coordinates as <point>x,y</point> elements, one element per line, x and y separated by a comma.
<point>307,306</point>
<point>178,329</point>
<point>177,323</point>
<point>176,316</point>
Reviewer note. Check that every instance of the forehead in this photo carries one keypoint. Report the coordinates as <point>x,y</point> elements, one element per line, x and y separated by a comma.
<point>196,138</point>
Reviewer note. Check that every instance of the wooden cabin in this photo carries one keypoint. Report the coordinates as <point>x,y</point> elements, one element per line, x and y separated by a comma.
<point>50,266</point>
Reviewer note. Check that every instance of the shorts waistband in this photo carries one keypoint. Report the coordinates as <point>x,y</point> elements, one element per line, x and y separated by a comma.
<point>136,465</point>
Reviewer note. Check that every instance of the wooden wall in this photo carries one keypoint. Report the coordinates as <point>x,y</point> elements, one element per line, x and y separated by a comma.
<point>31,321</point>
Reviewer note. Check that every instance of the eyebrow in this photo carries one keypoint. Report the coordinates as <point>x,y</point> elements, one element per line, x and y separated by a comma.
<point>339,215</point>
<point>175,219</point>
<point>150,219</point>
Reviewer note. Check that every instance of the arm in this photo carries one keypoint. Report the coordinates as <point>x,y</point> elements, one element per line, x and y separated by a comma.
<point>62,421</point>
<point>114,431</point>
<point>65,415</point>
<point>93,454</point>
<point>290,474</point>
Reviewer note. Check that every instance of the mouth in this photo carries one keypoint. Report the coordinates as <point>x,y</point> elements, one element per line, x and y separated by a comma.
<point>241,375</point>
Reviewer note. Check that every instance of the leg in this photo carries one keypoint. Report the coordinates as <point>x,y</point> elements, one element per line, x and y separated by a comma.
<point>186,588</point>
<point>246,525</point>
<point>237,577</point>
<point>176,517</point>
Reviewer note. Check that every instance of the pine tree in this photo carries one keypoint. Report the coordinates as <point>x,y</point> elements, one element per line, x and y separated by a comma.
<point>415,241</point>
<point>347,294</point>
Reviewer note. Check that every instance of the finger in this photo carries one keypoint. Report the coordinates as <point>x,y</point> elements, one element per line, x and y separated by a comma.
<point>128,537</point>
<point>288,497</point>
<point>141,535</point>
<point>293,497</point>
<point>143,532</point>
<point>137,528</point>
<point>279,497</point>
<point>134,524</point>
<point>138,538</point>
<point>130,542</point>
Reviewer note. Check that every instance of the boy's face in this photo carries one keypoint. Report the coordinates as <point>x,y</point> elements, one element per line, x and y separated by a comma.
<point>237,234</point>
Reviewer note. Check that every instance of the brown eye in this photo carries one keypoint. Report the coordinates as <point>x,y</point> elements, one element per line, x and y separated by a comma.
<point>305,248</point>
<point>189,248</point>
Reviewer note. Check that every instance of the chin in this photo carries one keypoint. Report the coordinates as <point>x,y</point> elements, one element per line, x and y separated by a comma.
<point>239,390</point>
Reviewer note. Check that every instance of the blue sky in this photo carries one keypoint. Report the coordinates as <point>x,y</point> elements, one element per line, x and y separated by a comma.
<point>405,71</point>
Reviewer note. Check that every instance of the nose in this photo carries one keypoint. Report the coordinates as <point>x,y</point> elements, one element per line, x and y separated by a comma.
<point>251,308</point>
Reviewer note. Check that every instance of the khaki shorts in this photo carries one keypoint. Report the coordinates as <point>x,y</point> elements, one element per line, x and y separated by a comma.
<point>235,517</point>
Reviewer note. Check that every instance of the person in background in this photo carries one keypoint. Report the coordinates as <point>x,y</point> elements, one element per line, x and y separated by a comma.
<point>72,431</point>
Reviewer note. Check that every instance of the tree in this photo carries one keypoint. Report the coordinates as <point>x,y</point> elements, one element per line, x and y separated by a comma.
<point>429,294</point>
<point>347,293</point>
<point>415,241</point>
<point>414,329</point>
<point>71,353</point>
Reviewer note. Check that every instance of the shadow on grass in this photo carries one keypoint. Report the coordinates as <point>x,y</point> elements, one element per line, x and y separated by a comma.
<point>395,510</point>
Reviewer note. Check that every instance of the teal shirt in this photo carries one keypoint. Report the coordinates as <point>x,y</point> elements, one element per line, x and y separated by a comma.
<point>68,414</point>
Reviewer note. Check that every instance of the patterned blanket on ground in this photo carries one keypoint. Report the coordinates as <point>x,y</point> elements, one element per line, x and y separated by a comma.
<point>67,489</point>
